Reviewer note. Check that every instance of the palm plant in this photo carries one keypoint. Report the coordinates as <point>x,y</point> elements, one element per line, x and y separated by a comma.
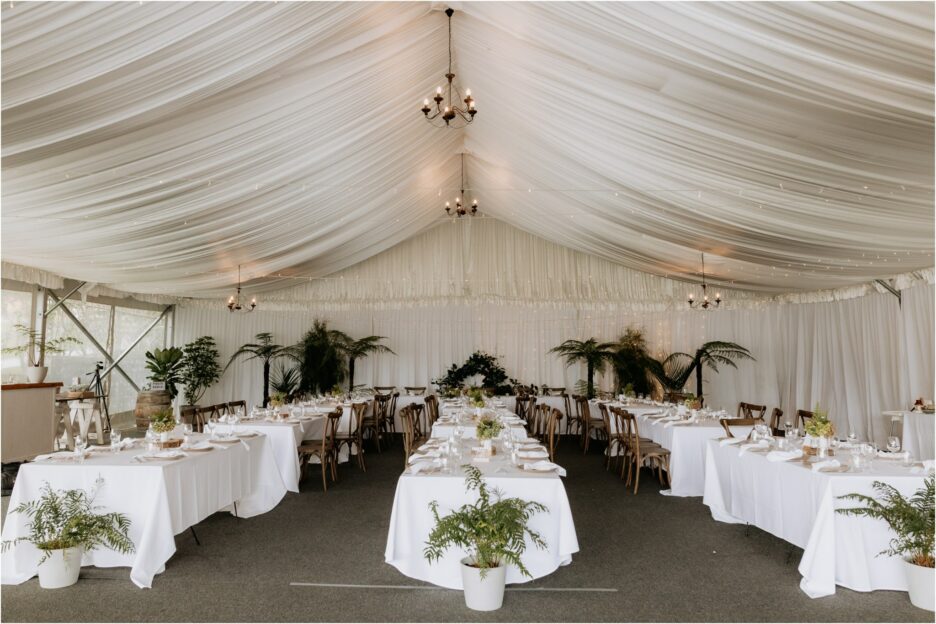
<point>267,351</point>
<point>285,381</point>
<point>165,365</point>
<point>632,362</point>
<point>595,355</point>
<point>493,530</point>
<point>322,358</point>
<point>911,519</point>
<point>676,369</point>
<point>361,348</point>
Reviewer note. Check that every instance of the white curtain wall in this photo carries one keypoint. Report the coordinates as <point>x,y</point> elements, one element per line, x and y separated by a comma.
<point>856,358</point>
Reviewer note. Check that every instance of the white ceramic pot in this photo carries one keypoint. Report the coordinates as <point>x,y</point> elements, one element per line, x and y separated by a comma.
<point>61,568</point>
<point>920,584</point>
<point>36,374</point>
<point>483,594</point>
<point>487,444</point>
<point>164,436</point>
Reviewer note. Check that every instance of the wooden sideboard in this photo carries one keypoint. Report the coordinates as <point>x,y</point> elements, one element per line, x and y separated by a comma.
<point>27,420</point>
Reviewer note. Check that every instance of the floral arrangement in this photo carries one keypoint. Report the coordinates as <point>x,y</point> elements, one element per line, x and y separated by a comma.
<point>629,391</point>
<point>68,519</point>
<point>476,397</point>
<point>489,428</point>
<point>163,421</point>
<point>277,399</point>
<point>691,401</point>
<point>479,363</point>
<point>819,426</point>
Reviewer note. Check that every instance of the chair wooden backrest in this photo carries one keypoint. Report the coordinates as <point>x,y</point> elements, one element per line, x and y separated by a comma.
<point>803,416</point>
<point>382,406</point>
<point>605,416</point>
<point>408,418</point>
<point>525,406</point>
<point>187,415</point>
<point>538,421</point>
<point>749,410</point>
<point>568,405</point>
<point>201,416</point>
<point>357,418</point>
<point>776,421</point>
<point>631,435</point>
<point>584,410</point>
<point>233,405</point>
<point>384,389</point>
<point>727,423</point>
<point>391,413</point>
<point>432,409</point>
<point>551,431</point>
<point>332,420</point>
<point>222,409</point>
<point>415,390</point>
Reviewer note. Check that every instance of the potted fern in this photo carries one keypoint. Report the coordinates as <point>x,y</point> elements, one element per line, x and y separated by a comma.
<point>494,531</point>
<point>64,525</point>
<point>911,519</point>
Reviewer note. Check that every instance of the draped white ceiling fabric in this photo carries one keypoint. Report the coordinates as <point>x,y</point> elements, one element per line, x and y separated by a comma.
<point>152,147</point>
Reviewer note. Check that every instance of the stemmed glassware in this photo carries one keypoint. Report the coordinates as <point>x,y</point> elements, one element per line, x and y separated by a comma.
<point>893,444</point>
<point>115,440</point>
<point>80,446</point>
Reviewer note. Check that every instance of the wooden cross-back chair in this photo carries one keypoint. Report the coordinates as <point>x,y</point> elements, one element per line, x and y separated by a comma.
<point>551,432</point>
<point>323,448</point>
<point>432,410</point>
<point>804,416</point>
<point>354,437</point>
<point>614,437</point>
<point>376,422</point>
<point>525,406</point>
<point>776,422</point>
<point>391,416</point>
<point>536,425</point>
<point>233,405</point>
<point>222,409</point>
<point>201,416</point>
<point>589,424</point>
<point>187,415</point>
<point>640,452</point>
<point>751,410</point>
<point>415,390</point>
<point>727,423</point>
<point>411,437</point>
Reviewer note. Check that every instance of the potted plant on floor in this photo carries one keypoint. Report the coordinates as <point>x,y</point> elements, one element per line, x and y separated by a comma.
<point>199,368</point>
<point>494,531</point>
<point>911,519</point>
<point>35,351</point>
<point>65,525</point>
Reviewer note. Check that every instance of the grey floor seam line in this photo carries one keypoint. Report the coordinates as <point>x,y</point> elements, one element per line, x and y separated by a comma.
<point>353,586</point>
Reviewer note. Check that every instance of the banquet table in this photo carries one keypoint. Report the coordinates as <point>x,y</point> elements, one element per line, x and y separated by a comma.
<point>160,498</point>
<point>919,433</point>
<point>285,437</point>
<point>686,442</point>
<point>789,500</point>
<point>411,520</point>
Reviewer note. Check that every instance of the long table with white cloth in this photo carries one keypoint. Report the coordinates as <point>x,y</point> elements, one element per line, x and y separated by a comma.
<point>411,520</point>
<point>161,498</point>
<point>797,504</point>
<point>918,432</point>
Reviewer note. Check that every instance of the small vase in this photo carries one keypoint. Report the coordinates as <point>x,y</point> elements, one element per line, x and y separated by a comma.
<point>487,444</point>
<point>164,436</point>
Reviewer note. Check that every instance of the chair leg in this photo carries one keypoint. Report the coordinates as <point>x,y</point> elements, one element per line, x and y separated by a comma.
<point>637,478</point>
<point>195,535</point>
<point>324,467</point>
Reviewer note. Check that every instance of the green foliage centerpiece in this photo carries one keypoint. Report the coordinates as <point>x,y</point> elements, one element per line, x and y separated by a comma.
<point>494,376</point>
<point>912,521</point>
<point>493,531</point>
<point>819,431</point>
<point>163,422</point>
<point>489,428</point>
<point>476,397</point>
<point>63,525</point>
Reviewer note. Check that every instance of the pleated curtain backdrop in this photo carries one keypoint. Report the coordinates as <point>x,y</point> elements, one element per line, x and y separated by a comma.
<point>855,358</point>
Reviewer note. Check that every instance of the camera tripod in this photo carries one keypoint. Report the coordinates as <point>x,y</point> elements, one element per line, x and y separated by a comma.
<point>97,386</point>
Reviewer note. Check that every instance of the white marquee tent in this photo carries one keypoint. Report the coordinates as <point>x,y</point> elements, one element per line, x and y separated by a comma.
<point>152,148</point>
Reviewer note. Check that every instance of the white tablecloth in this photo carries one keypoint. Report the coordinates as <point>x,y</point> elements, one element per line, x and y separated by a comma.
<point>411,522</point>
<point>687,446</point>
<point>161,499</point>
<point>444,430</point>
<point>919,433</point>
<point>284,437</point>
<point>790,501</point>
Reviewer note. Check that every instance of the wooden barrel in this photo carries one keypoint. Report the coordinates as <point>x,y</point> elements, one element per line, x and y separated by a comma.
<point>148,403</point>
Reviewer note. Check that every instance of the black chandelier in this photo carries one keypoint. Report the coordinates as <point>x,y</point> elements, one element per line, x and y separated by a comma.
<point>452,111</point>
<point>706,303</point>
<point>234,302</point>
<point>459,210</point>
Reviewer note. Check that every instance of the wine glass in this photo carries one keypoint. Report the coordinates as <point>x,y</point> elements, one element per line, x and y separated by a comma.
<point>80,446</point>
<point>186,433</point>
<point>893,444</point>
<point>852,437</point>
<point>115,440</point>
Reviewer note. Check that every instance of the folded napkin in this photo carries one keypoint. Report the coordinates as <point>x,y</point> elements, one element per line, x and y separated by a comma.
<point>676,423</point>
<point>531,446</point>
<point>779,456</point>
<point>247,433</point>
<point>425,465</point>
<point>828,463</point>
<point>161,455</point>
<point>728,441</point>
<point>198,446</point>
<point>760,444</point>
<point>58,455</point>
<point>423,456</point>
<point>654,413</point>
<point>889,455</point>
<point>532,454</point>
<point>545,466</point>
<point>669,418</point>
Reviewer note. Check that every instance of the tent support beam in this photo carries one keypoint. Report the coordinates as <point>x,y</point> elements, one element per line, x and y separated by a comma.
<point>97,345</point>
<point>889,289</point>
<point>61,301</point>
<point>135,342</point>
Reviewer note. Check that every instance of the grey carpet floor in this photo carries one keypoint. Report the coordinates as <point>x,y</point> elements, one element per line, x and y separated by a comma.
<point>665,557</point>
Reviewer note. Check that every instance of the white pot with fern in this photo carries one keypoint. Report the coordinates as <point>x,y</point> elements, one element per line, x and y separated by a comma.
<point>34,351</point>
<point>65,525</point>
<point>912,520</point>
<point>493,532</point>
